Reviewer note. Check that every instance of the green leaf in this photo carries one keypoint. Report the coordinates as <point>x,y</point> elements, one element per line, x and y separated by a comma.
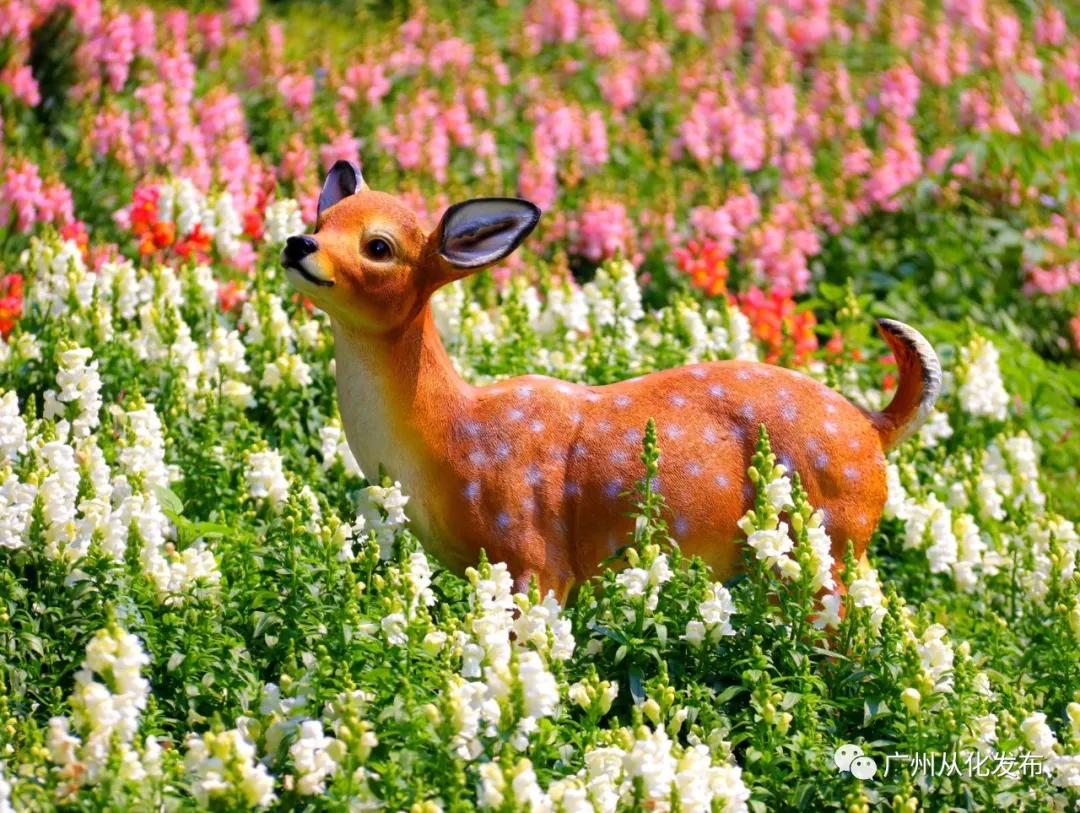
<point>168,499</point>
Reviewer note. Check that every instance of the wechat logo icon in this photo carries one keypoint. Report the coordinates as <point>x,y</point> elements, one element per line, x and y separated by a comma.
<point>850,757</point>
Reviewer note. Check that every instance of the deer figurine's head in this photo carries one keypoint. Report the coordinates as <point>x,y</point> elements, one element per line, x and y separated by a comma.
<point>369,263</point>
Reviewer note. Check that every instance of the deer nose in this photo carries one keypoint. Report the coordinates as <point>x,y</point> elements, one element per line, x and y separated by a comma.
<point>298,247</point>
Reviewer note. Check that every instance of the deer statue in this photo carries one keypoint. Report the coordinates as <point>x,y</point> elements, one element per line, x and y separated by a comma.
<point>537,471</point>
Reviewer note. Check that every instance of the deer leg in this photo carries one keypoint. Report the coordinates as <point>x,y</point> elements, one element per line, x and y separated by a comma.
<point>545,582</point>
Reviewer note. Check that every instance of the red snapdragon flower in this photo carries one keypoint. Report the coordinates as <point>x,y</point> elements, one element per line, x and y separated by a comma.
<point>787,334</point>
<point>706,263</point>
<point>11,302</point>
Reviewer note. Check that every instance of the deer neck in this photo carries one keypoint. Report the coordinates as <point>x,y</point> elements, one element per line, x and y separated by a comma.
<point>399,396</point>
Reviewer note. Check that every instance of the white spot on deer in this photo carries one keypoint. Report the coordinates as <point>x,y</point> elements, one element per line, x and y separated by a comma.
<point>709,434</point>
<point>830,408</point>
<point>592,397</point>
<point>537,426</point>
<point>515,415</point>
<point>698,372</point>
<point>682,525</point>
<point>613,489</point>
<point>633,436</point>
<point>524,392</point>
<point>622,401</point>
<point>851,473</point>
<point>747,411</point>
<point>829,427</point>
<point>748,492</point>
<point>821,461</point>
<point>565,389</point>
<point>603,426</point>
<point>572,490</point>
<point>854,444</point>
<point>471,428</point>
<point>693,469</point>
<point>678,400</point>
<point>533,474</point>
<point>788,411</point>
<point>579,450</point>
<point>502,451</point>
<point>721,481</point>
<point>742,374</point>
<point>503,520</point>
<point>619,456</point>
<point>472,491</point>
<point>528,504</point>
<point>477,457</point>
<point>716,391</point>
<point>673,431</point>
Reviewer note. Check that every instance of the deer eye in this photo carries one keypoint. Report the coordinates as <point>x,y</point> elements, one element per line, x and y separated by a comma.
<point>377,249</point>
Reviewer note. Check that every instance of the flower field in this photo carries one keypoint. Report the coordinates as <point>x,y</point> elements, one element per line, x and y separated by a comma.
<point>205,603</point>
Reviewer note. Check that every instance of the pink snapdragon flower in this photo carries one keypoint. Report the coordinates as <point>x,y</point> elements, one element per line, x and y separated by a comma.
<point>604,230</point>
<point>21,195</point>
<point>118,51</point>
<point>298,91</point>
<point>342,147</point>
<point>20,78</point>
<point>243,13</point>
<point>899,91</point>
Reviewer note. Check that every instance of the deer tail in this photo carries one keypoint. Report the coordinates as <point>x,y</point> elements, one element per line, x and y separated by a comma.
<point>920,383</point>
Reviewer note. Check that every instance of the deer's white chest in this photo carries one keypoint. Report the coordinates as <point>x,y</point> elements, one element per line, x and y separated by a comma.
<point>379,436</point>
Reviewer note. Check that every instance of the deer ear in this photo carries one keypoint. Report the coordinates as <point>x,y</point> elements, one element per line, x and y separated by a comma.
<point>483,231</point>
<point>342,180</point>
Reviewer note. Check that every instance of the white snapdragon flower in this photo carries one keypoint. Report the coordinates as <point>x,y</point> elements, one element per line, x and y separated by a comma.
<point>59,492</point>
<point>778,490</point>
<point>932,519</point>
<point>970,547</point>
<point>226,354</point>
<point>13,431</point>
<point>715,617</point>
<point>79,384</point>
<point>224,769</point>
<point>634,580</point>
<point>182,203</point>
<point>281,221</point>
<point>238,393</point>
<point>315,757</point>
<point>936,656</point>
<point>383,511</point>
<point>821,548</point>
<point>144,451</point>
<point>935,429</point>
<point>981,392</point>
<point>16,509</point>
<point>1025,464</point>
<point>897,502</point>
<point>1039,736</point>
<point>395,628</point>
<point>770,545</point>
<point>105,712</point>
<point>866,593</point>
<point>266,477</point>
<point>288,368</point>
<point>228,226</point>
<point>335,447</point>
